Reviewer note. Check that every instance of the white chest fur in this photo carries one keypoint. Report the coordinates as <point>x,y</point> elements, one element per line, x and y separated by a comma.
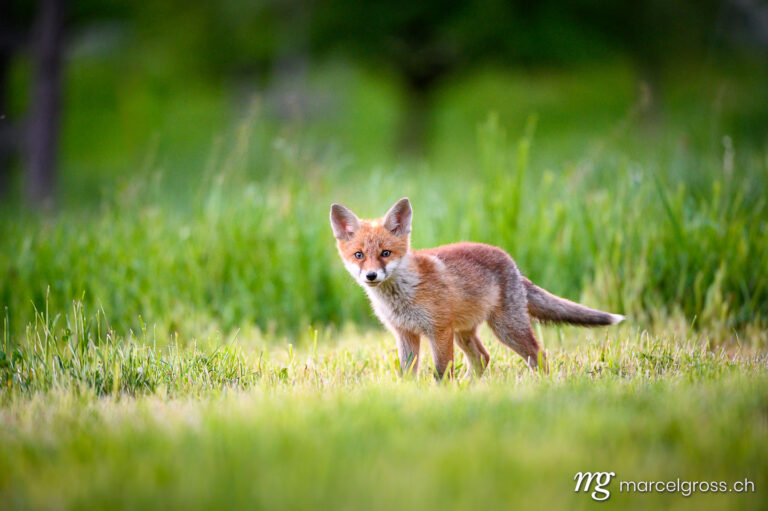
<point>394,301</point>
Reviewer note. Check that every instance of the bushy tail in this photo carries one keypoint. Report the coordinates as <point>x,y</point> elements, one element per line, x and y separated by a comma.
<point>545,306</point>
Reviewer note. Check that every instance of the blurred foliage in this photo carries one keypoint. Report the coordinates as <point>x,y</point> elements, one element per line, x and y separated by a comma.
<point>434,36</point>
<point>155,78</point>
<point>679,229</point>
<point>415,37</point>
<point>202,143</point>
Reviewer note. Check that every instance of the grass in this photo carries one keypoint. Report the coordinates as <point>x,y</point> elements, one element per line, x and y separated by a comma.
<point>96,420</point>
<point>244,250</point>
<point>239,237</point>
<point>177,345</point>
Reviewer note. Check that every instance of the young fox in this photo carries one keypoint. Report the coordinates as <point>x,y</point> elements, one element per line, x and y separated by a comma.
<point>445,293</point>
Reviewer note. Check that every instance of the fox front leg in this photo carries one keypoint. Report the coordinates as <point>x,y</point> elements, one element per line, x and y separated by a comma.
<point>408,351</point>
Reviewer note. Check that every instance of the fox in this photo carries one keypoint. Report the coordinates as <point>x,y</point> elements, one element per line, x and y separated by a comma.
<point>446,293</point>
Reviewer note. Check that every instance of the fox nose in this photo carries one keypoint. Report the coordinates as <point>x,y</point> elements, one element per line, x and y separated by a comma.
<point>371,276</point>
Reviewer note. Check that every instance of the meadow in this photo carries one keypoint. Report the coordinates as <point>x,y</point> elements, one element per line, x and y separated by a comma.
<point>183,335</point>
<point>118,423</point>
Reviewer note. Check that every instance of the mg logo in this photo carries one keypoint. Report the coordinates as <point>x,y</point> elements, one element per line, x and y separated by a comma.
<point>584,481</point>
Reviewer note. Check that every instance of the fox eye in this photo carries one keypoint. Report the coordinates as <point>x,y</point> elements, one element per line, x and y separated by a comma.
<point>358,255</point>
<point>386,253</point>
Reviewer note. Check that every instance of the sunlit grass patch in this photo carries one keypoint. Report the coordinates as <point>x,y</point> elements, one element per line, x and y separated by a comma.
<point>78,351</point>
<point>333,426</point>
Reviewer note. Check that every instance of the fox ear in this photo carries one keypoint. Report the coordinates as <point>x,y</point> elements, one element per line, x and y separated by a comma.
<point>344,222</point>
<point>398,218</point>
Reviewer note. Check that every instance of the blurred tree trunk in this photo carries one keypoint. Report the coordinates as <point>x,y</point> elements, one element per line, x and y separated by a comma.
<point>46,102</point>
<point>6,144</point>
<point>6,132</point>
<point>421,81</point>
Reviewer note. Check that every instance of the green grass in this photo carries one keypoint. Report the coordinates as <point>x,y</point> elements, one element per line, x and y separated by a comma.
<point>92,419</point>
<point>593,199</point>
<point>644,238</point>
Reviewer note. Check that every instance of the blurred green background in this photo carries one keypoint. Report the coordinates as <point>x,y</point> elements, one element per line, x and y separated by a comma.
<point>618,151</point>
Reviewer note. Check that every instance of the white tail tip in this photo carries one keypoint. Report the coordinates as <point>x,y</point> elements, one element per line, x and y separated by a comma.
<point>617,318</point>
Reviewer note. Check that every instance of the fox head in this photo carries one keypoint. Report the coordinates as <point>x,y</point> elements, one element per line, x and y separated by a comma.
<point>372,250</point>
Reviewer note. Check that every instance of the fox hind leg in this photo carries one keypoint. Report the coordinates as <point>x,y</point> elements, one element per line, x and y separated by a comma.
<point>512,326</point>
<point>442,351</point>
<point>473,349</point>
